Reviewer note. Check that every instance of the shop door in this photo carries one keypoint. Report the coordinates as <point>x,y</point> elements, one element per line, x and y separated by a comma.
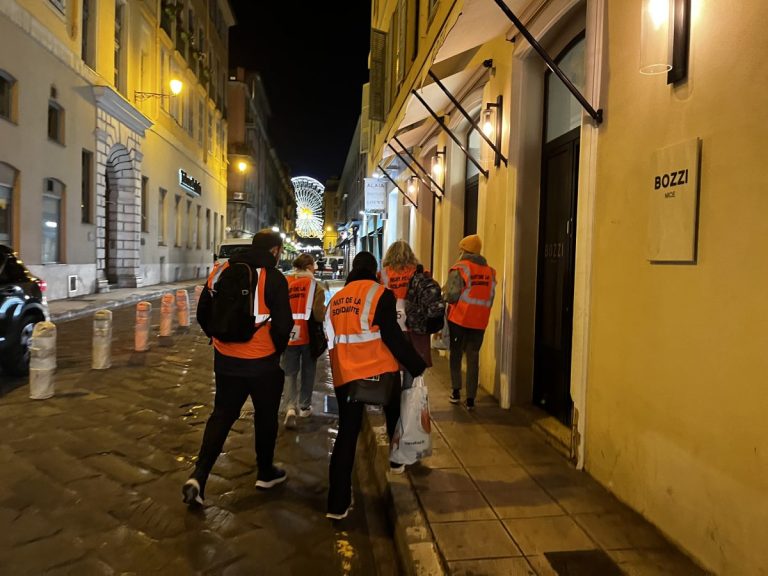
<point>554,289</point>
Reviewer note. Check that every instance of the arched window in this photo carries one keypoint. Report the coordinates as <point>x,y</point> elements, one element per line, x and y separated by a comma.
<point>472,182</point>
<point>53,201</point>
<point>7,185</point>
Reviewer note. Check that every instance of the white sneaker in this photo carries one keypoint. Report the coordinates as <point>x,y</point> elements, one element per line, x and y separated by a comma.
<point>290,419</point>
<point>305,412</point>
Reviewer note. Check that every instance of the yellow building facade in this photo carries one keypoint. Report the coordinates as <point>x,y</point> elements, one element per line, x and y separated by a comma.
<point>108,176</point>
<point>624,309</point>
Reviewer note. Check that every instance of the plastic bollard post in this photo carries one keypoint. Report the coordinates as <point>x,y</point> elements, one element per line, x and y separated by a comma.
<point>182,307</point>
<point>198,291</point>
<point>166,315</point>
<point>42,361</point>
<point>141,336</point>
<point>102,340</point>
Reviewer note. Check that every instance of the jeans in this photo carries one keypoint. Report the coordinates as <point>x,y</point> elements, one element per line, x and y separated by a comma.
<point>343,456</point>
<point>465,341</point>
<point>297,358</point>
<point>231,394</point>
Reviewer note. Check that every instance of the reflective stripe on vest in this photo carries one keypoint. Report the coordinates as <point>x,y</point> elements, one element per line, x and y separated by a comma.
<point>357,350</point>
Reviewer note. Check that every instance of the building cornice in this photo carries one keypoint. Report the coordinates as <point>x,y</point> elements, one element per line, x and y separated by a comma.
<point>118,107</point>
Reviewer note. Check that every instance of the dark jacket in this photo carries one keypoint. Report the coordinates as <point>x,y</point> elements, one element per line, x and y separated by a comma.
<point>275,297</point>
<point>385,317</point>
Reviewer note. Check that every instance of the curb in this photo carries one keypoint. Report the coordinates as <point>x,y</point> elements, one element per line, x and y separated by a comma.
<point>414,543</point>
<point>118,302</point>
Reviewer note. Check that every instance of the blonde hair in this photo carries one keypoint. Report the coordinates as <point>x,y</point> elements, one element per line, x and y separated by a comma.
<point>399,255</point>
<point>303,261</point>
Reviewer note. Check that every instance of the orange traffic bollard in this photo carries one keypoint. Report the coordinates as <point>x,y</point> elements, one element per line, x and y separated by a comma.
<point>198,290</point>
<point>182,308</point>
<point>166,314</point>
<point>143,316</point>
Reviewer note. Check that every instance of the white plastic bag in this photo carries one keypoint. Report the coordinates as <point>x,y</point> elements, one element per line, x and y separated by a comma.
<point>411,440</point>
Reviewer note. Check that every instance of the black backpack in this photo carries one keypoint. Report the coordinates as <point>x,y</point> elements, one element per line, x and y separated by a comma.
<point>231,315</point>
<point>424,306</point>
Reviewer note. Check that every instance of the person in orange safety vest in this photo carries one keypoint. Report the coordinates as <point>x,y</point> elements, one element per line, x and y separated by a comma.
<point>364,340</point>
<point>307,299</point>
<point>251,368</point>
<point>469,291</point>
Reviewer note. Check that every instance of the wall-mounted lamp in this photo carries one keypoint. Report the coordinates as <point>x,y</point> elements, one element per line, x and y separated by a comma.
<point>412,187</point>
<point>438,166</point>
<point>491,126</point>
<point>175,85</point>
<point>242,166</point>
<point>664,38</point>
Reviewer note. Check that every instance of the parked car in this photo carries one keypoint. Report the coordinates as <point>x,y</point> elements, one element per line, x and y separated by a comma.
<point>229,247</point>
<point>22,305</point>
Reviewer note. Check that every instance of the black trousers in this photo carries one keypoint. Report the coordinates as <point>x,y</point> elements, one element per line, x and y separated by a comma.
<point>265,391</point>
<point>343,456</point>
<point>465,341</point>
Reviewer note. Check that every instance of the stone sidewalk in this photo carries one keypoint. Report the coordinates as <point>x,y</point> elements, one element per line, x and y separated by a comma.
<point>494,498</point>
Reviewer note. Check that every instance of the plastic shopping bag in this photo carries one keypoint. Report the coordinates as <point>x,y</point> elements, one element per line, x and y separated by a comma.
<point>411,440</point>
<point>442,340</point>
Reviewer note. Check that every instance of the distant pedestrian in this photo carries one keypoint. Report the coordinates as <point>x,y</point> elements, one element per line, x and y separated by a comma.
<point>307,299</point>
<point>250,368</point>
<point>469,291</point>
<point>364,341</point>
<point>334,268</point>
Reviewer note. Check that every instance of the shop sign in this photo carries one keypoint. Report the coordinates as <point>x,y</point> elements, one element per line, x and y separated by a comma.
<point>673,185</point>
<point>375,195</point>
<point>190,184</point>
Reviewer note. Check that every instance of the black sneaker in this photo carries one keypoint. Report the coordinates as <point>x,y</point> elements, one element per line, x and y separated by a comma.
<point>276,476</point>
<point>396,468</point>
<point>455,397</point>
<point>470,404</point>
<point>191,493</point>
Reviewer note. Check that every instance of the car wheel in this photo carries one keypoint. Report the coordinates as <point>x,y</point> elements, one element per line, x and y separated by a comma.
<point>16,362</point>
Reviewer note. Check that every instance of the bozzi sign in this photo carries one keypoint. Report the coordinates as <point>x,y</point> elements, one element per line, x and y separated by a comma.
<point>190,184</point>
<point>674,201</point>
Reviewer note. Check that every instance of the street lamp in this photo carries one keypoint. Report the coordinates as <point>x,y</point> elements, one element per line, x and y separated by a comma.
<point>175,86</point>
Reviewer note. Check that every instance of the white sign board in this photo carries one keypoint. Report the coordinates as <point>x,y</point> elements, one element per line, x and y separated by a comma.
<point>674,200</point>
<point>375,195</point>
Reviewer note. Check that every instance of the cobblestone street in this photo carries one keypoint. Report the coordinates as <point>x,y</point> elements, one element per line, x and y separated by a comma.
<point>91,478</point>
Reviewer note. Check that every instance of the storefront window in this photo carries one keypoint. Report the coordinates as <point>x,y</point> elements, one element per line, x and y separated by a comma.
<point>52,202</point>
<point>563,110</point>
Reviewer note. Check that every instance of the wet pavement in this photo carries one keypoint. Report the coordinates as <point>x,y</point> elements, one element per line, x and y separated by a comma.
<point>90,481</point>
<point>91,478</point>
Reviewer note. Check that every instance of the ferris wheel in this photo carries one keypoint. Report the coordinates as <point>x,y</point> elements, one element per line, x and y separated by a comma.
<point>309,206</point>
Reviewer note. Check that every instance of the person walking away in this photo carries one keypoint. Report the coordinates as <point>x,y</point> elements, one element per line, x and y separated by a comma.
<point>397,271</point>
<point>250,368</point>
<point>307,298</point>
<point>469,292</point>
<point>365,340</point>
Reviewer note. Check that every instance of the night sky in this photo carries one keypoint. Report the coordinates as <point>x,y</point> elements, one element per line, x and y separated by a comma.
<point>313,60</point>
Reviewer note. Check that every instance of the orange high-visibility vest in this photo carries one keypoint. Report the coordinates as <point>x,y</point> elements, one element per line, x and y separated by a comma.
<point>261,345</point>
<point>398,281</point>
<point>301,291</point>
<point>355,344</point>
<point>473,308</point>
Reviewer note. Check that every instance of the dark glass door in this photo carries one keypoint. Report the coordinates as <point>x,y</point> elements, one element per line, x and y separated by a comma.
<point>554,286</point>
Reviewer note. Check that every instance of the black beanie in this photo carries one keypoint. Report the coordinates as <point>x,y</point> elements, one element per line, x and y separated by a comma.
<point>365,261</point>
<point>266,239</point>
